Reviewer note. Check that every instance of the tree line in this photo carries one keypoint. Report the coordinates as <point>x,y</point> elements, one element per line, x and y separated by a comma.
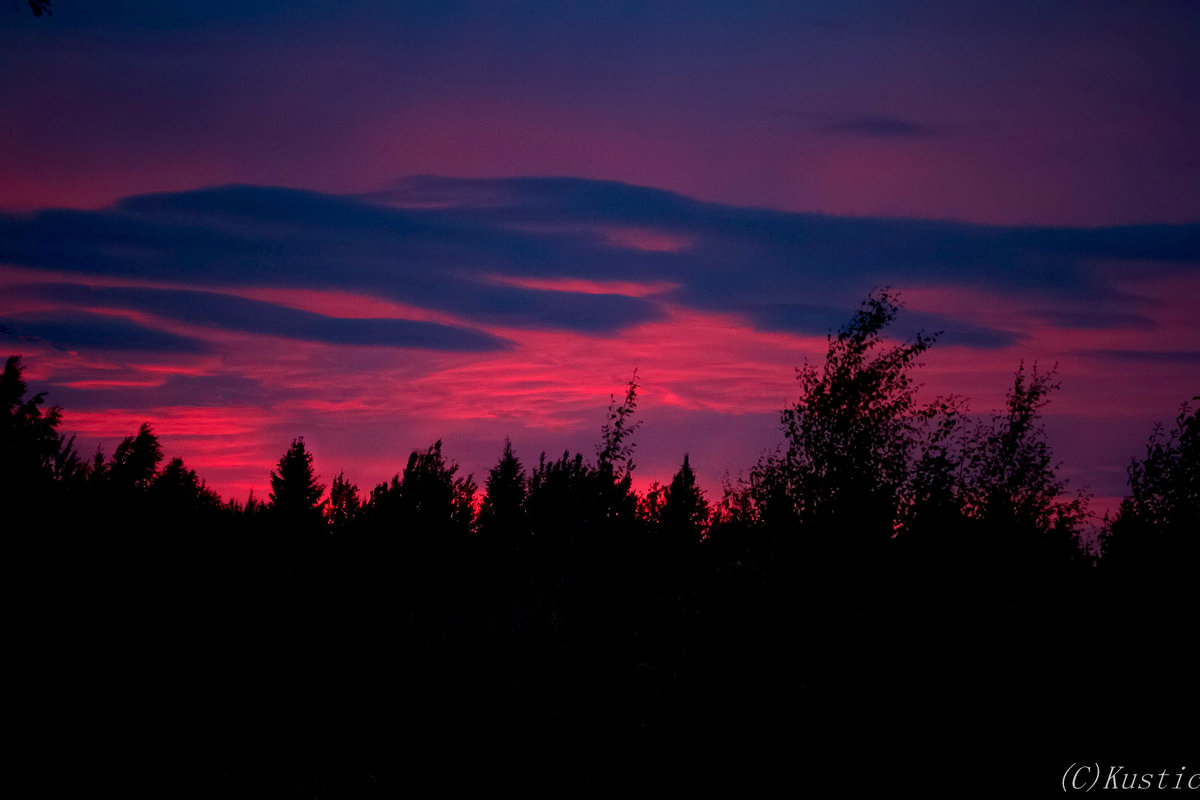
<point>891,560</point>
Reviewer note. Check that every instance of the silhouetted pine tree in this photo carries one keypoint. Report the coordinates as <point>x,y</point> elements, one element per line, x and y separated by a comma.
<point>685,510</point>
<point>502,513</point>
<point>177,491</point>
<point>295,496</point>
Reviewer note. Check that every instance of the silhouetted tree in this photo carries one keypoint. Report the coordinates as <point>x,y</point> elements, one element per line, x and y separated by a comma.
<point>427,502</point>
<point>1157,527</point>
<point>136,459</point>
<point>295,495</point>
<point>852,433</point>
<point>502,512</point>
<point>42,479</point>
<point>1011,482</point>
<point>650,504</point>
<point>615,451</point>
<point>570,499</point>
<point>344,503</point>
<point>31,449</point>
<point>434,497</point>
<point>253,505</point>
<point>613,475</point>
<point>936,501</point>
<point>178,491</point>
<point>685,510</point>
<point>561,496</point>
<point>738,506</point>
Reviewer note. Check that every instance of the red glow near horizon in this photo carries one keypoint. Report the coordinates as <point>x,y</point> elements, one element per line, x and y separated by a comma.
<point>553,381</point>
<point>559,382</point>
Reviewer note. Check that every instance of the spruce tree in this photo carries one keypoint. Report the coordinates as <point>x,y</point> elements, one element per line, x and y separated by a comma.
<point>503,510</point>
<point>295,492</point>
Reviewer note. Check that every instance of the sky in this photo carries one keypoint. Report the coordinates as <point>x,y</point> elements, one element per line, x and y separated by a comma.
<point>380,224</point>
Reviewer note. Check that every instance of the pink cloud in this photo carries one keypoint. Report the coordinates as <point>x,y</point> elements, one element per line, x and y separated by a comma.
<point>584,286</point>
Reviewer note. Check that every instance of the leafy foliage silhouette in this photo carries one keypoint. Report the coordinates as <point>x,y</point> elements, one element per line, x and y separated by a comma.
<point>345,505</point>
<point>33,455</point>
<point>136,459</point>
<point>1012,486</point>
<point>851,435</point>
<point>615,452</point>
<point>1156,527</point>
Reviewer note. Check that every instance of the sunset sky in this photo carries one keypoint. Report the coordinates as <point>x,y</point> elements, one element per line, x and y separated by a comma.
<point>378,224</point>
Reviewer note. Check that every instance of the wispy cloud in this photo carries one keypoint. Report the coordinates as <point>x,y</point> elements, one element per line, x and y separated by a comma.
<point>530,253</point>
<point>79,330</point>
<point>231,313</point>
<point>465,308</point>
<point>879,126</point>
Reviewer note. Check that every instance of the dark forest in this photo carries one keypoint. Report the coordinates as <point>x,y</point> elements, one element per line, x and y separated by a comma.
<point>904,594</point>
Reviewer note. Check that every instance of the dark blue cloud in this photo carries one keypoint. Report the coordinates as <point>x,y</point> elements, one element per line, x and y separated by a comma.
<point>465,246</point>
<point>254,236</point>
<point>79,330</point>
<point>1029,256</point>
<point>227,312</point>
